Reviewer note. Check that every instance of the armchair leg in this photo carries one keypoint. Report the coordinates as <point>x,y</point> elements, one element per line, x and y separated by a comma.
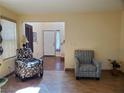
<point>23,79</point>
<point>16,75</point>
<point>41,75</point>
<point>98,78</point>
<point>77,78</point>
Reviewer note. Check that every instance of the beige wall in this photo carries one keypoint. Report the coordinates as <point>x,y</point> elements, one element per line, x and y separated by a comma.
<point>8,65</point>
<point>122,43</point>
<point>97,31</point>
<point>8,13</point>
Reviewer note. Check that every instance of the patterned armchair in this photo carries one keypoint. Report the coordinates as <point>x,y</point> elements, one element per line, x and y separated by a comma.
<point>26,66</point>
<point>86,66</point>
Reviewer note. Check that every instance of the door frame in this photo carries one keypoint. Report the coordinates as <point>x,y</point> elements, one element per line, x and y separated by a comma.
<point>54,41</point>
<point>30,35</point>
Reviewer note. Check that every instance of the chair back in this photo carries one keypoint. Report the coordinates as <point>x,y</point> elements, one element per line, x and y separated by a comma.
<point>84,56</point>
<point>24,53</point>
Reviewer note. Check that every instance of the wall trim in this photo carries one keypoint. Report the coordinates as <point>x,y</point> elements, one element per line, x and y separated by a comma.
<point>103,70</point>
<point>9,74</point>
<point>69,69</point>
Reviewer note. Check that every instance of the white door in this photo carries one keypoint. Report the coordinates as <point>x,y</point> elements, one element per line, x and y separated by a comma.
<point>49,43</point>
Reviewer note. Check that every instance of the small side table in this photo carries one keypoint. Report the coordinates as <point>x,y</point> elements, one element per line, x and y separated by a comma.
<point>3,81</point>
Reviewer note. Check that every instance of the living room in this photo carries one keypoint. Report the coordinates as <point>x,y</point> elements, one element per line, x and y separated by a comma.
<point>89,25</point>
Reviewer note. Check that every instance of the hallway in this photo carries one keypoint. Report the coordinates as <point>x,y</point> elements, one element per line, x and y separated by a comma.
<point>53,63</point>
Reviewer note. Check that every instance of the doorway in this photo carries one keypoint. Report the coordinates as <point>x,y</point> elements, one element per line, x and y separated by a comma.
<point>51,42</point>
<point>29,36</point>
<point>48,40</point>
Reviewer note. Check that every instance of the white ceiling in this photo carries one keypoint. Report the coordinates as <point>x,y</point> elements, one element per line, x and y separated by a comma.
<point>59,6</point>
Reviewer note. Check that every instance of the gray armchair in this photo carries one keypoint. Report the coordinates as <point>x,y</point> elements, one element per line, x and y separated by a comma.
<point>85,65</point>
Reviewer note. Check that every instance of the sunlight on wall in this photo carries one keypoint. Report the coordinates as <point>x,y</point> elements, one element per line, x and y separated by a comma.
<point>57,40</point>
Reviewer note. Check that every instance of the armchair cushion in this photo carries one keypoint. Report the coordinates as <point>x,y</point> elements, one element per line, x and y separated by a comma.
<point>87,68</point>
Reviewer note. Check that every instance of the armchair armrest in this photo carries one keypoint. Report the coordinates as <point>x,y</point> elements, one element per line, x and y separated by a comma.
<point>77,65</point>
<point>20,63</point>
<point>98,65</point>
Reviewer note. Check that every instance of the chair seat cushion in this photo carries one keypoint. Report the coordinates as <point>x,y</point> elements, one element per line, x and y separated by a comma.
<point>28,63</point>
<point>87,68</point>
